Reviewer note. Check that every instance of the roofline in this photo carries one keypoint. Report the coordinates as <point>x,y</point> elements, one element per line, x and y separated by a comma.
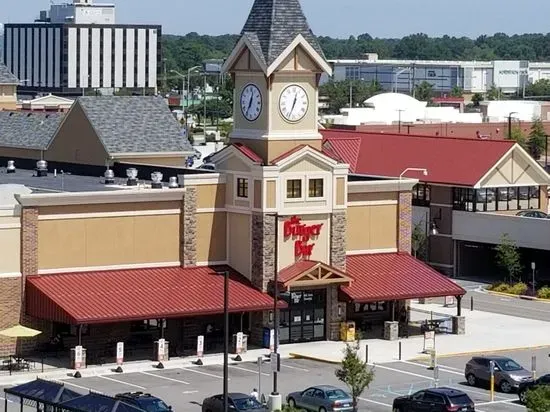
<point>405,184</point>
<point>235,53</point>
<point>83,198</point>
<point>149,154</point>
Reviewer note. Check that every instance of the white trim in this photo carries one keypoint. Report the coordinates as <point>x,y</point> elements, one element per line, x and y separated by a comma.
<point>202,179</point>
<point>150,154</point>
<point>313,176</point>
<point>438,205</point>
<point>377,186</point>
<point>92,215</point>
<point>243,41</point>
<point>302,153</point>
<point>238,209</point>
<point>10,211</point>
<point>10,226</point>
<point>299,40</point>
<point>229,151</point>
<point>211,210</point>
<point>119,196</point>
<point>214,263</point>
<point>371,251</point>
<point>12,275</point>
<point>373,203</point>
<point>249,134</point>
<point>301,177</point>
<point>442,265</point>
<point>111,267</point>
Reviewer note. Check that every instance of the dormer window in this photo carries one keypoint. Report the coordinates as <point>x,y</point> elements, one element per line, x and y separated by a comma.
<point>294,189</point>
<point>316,188</point>
<point>242,188</point>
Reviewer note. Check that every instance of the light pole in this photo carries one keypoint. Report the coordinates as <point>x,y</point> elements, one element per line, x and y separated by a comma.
<point>183,77</point>
<point>510,124</point>
<point>186,110</point>
<point>533,267</point>
<point>275,397</point>
<point>225,338</point>
<point>396,74</point>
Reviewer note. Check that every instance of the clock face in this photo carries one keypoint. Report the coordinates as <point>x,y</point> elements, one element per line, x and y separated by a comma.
<point>251,102</point>
<point>293,103</point>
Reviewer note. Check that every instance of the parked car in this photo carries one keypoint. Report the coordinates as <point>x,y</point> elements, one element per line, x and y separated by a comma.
<point>322,398</point>
<point>434,400</point>
<point>524,387</point>
<point>145,401</point>
<point>236,402</point>
<point>509,375</point>
<point>537,214</point>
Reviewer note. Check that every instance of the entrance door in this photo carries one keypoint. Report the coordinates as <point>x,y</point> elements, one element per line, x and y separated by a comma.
<point>305,316</point>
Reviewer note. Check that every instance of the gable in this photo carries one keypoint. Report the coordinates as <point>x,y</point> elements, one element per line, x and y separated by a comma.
<point>232,163</point>
<point>317,274</point>
<point>515,169</point>
<point>299,60</point>
<point>76,141</point>
<point>246,61</point>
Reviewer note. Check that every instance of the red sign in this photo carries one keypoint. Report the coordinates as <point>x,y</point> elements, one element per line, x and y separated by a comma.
<point>302,234</point>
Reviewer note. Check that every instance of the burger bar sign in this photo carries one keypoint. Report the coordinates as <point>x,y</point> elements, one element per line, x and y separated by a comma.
<point>301,234</point>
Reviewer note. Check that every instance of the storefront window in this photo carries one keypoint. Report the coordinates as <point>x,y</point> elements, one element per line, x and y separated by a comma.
<point>146,325</point>
<point>242,187</point>
<point>315,187</point>
<point>421,195</point>
<point>496,199</point>
<point>371,307</point>
<point>294,189</point>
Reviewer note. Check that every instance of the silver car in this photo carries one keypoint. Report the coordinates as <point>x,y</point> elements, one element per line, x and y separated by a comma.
<point>323,398</point>
<point>509,375</point>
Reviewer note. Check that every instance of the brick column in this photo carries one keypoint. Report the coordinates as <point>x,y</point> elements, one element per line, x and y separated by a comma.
<point>10,309</point>
<point>188,231</point>
<point>338,226</point>
<point>263,246</point>
<point>405,222</point>
<point>29,243</point>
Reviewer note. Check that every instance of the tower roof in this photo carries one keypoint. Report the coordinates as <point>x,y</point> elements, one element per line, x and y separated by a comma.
<point>272,25</point>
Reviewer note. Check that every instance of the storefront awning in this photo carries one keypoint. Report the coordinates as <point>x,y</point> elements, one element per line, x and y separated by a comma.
<point>395,276</point>
<point>125,295</point>
<point>310,273</point>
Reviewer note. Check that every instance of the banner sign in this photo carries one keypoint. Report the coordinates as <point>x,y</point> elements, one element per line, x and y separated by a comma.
<point>119,353</point>
<point>200,346</point>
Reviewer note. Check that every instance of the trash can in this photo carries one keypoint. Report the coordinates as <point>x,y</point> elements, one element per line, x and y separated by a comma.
<point>347,331</point>
<point>73,359</point>
<point>157,355</point>
<point>244,346</point>
<point>265,338</point>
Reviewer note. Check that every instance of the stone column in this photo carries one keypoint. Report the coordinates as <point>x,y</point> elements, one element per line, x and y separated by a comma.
<point>332,318</point>
<point>263,250</point>
<point>459,325</point>
<point>338,226</point>
<point>188,228</point>
<point>405,222</point>
<point>10,309</point>
<point>391,330</point>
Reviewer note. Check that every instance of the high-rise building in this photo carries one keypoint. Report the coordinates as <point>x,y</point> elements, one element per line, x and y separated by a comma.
<point>78,48</point>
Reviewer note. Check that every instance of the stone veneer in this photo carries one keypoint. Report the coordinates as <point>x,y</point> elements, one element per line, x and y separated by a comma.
<point>332,316</point>
<point>10,307</point>
<point>338,224</point>
<point>263,247</point>
<point>188,223</point>
<point>405,222</point>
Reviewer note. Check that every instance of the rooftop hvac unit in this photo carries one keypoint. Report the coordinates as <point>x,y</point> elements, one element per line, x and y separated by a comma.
<point>132,174</point>
<point>156,178</point>
<point>109,177</point>
<point>11,167</point>
<point>173,182</point>
<point>41,168</point>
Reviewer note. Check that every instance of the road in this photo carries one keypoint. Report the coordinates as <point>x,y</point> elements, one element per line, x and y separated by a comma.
<point>185,388</point>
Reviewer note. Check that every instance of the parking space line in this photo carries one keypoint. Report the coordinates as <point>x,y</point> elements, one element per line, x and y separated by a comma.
<point>165,377</point>
<point>441,367</point>
<point>248,370</point>
<point>294,367</point>
<point>203,373</point>
<point>80,387</point>
<point>122,382</point>
<point>376,365</point>
<point>376,402</point>
<point>467,389</point>
<point>508,402</point>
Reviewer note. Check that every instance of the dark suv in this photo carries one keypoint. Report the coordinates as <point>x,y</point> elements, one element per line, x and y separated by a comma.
<point>508,374</point>
<point>434,400</point>
<point>145,401</point>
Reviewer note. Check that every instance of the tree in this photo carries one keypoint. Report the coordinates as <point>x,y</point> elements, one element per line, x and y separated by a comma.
<point>494,93</point>
<point>539,88</point>
<point>419,240</point>
<point>338,93</point>
<point>536,139</point>
<point>457,91</point>
<point>518,136</point>
<point>508,257</point>
<point>354,372</point>
<point>477,98</point>
<point>538,399</point>
<point>424,91</point>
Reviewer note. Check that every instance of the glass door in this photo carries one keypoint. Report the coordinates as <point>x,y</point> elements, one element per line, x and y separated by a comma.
<point>304,320</point>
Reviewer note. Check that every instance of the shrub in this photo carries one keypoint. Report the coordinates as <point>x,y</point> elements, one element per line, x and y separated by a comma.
<point>544,292</point>
<point>518,289</point>
<point>500,287</point>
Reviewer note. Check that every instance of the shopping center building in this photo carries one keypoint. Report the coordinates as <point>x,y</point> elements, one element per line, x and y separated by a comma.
<point>104,261</point>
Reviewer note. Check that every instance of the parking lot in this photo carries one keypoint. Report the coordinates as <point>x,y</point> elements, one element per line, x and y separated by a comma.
<point>185,388</point>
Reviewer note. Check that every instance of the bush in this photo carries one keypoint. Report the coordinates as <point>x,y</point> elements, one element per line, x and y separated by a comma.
<point>518,289</point>
<point>544,292</point>
<point>500,287</point>
<point>538,400</point>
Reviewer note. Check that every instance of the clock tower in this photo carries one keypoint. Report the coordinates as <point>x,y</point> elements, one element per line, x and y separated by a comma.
<point>276,67</point>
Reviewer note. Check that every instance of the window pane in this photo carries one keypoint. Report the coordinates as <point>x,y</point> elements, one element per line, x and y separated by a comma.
<point>242,187</point>
<point>294,189</point>
<point>316,188</point>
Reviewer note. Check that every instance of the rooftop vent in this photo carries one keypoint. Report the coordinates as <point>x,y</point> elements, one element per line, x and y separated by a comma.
<point>156,178</point>
<point>173,182</point>
<point>41,168</point>
<point>132,174</point>
<point>11,167</point>
<point>109,177</point>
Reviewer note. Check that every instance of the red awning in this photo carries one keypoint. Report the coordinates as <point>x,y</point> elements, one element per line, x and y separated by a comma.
<point>395,276</point>
<point>125,295</point>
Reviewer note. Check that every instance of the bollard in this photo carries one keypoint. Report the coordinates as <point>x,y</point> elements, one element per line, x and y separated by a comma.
<point>492,381</point>
<point>436,376</point>
<point>471,303</point>
<point>534,366</point>
<point>399,350</point>
<point>367,354</point>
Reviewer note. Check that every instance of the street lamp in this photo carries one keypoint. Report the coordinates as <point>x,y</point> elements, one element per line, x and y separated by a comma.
<point>225,274</point>
<point>510,124</point>
<point>396,75</point>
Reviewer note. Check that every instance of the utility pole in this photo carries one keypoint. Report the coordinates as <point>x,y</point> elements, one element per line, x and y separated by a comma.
<point>204,98</point>
<point>510,124</point>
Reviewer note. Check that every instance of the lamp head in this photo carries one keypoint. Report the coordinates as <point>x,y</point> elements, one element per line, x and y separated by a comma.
<point>425,172</point>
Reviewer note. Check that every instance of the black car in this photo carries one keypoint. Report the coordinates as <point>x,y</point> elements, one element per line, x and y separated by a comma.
<point>544,380</point>
<point>145,401</point>
<point>434,400</point>
<point>537,214</point>
<point>236,402</point>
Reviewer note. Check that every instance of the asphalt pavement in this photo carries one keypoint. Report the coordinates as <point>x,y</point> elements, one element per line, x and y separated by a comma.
<point>185,388</point>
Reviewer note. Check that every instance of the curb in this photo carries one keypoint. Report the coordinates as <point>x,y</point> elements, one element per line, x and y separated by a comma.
<point>313,358</point>
<point>451,355</point>
<point>524,297</point>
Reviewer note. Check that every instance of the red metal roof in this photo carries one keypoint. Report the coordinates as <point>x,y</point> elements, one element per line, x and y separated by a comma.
<point>296,269</point>
<point>456,161</point>
<point>123,295</point>
<point>248,152</point>
<point>395,276</point>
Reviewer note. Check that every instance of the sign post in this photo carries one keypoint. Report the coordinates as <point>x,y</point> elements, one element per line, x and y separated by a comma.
<point>78,357</point>
<point>119,356</point>
<point>272,340</point>
<point>161,350</point>
<point>275,362</point>
<point>260,361</point>
<point>200,346</point>
<point>429,341</point>
<point>239,343</point>
<point>492,381</point>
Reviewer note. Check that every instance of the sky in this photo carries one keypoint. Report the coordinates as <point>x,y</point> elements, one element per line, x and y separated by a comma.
<point>335,18</point>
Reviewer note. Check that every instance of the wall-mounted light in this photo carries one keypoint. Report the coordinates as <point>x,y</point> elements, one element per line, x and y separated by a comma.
<point>270,316</point>
<point>339,310</point>
<point>434,229</point>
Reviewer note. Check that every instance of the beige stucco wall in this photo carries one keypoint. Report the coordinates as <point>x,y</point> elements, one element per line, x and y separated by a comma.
<point>19,153</point>
<point>271,149</point>
<point>271,194</point>
<point>233,163</point>
<point>257,194</point>
<point>320,251</point>
<point>372,227</point>
<point>107,208</point>
<point>340,191</point>
<point>299,60</point>
<point>10,244</point>
<point>239,242</point>
<point>241,81</point>
<point>8,98</point>
<point>211,237</point>
<point>107,241</point>
<point>373,197</point>
<point>210,196</point>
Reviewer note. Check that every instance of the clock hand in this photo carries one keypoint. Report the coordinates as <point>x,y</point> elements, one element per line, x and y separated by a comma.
<point>294,103</point>
<point>249,104</point>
